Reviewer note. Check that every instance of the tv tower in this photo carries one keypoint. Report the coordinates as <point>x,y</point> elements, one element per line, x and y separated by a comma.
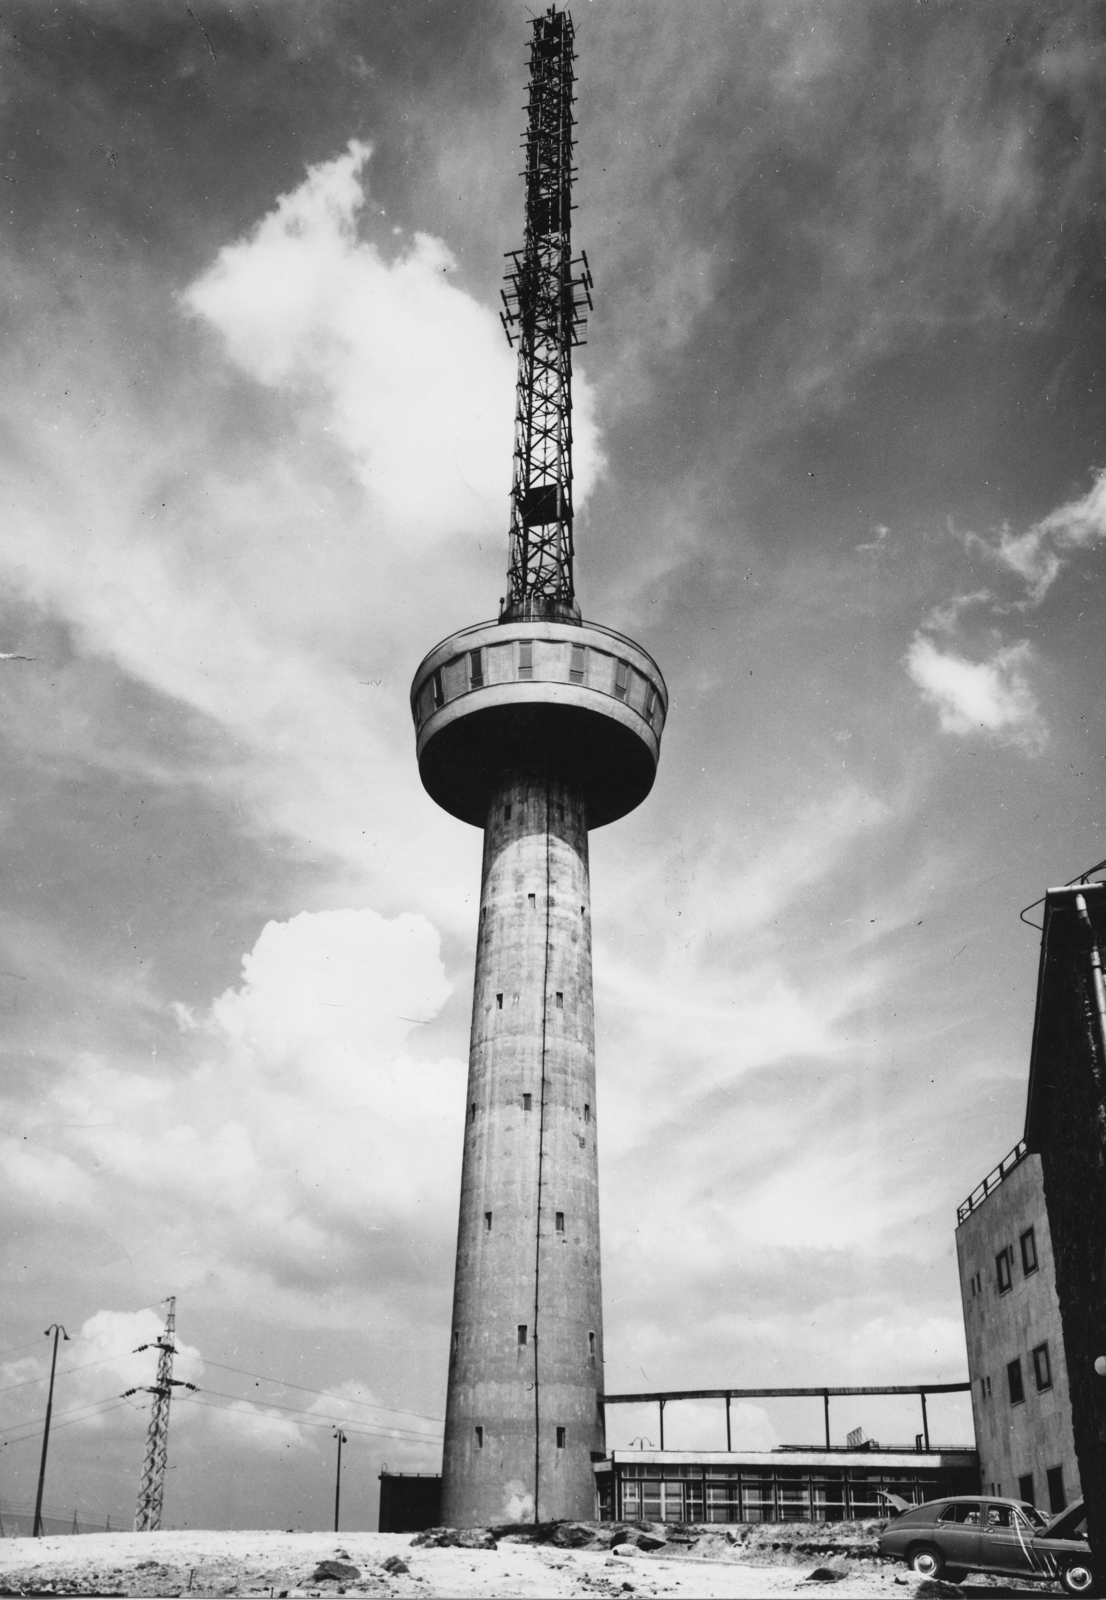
<point>536,728</point>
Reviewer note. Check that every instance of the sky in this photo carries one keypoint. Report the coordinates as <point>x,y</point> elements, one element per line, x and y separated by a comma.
<point>840,468</point>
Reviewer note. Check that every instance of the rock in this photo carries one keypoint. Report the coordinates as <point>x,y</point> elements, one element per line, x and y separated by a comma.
<point>624,1550</point>
<point>476,1539</point>
<point>823,1575</point>
<point>343,1571</point>
<point>934,1589</point>
<point>437,1538</point>
<point>395,1565</point>
<point>650,1541</point>
<point>573,1535</point>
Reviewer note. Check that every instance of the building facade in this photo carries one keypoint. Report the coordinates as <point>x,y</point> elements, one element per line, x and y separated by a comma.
<point>1065,1128</point>
<point>1012,1325</point>
<point>785,1485</point>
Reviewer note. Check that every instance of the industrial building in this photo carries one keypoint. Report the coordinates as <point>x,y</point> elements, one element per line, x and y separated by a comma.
<point>1012,1327</point>
<point>1065,1127</point>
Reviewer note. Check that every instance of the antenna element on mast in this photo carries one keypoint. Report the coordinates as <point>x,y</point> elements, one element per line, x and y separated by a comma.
<point>544,304</point>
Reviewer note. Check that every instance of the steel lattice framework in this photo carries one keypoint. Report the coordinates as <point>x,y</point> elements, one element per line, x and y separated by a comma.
<point>147,1518</point>
<point>544,301</point>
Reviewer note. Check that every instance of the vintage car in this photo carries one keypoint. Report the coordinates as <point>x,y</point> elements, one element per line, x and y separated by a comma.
<point>981,1533</point>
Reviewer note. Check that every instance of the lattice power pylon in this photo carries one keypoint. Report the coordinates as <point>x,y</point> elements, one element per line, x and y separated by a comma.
<point>544,303</point>
<point>147,1517</point>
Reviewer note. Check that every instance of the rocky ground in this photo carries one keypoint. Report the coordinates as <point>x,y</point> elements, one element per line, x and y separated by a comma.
<point>573,1559</point>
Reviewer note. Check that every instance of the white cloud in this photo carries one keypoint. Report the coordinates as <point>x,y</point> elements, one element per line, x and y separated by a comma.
<point>415,376</point>
<point>302,1126</point>
<point>1037,556</point>
<point>992,697</point>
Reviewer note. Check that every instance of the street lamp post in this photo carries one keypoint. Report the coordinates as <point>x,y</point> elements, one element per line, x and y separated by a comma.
<point>341,1438</point>
<point>55,1328</point>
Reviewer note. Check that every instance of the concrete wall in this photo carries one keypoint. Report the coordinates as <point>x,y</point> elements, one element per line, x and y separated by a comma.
<point>1030,1437</point>
<point>532,1035</point>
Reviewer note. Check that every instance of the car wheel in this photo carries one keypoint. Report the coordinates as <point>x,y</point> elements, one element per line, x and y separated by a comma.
<point>1077,1578</point>
<point>927,1561</point>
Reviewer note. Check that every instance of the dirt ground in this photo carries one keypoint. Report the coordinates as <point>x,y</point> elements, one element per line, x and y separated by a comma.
<point>747,1565</point>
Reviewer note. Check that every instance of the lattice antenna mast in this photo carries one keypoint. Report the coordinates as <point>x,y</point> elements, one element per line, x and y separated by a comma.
<point>544,304</point>
<point>147,1518</point>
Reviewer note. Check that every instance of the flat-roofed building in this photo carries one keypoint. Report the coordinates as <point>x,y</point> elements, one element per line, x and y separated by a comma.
<point>783,1485</point>
<point>1014,1334</point>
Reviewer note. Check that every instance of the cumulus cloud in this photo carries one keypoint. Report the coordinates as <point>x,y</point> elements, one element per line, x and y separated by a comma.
<point>303,1126</point>
<point>993,696</point>
<point>414,375</point>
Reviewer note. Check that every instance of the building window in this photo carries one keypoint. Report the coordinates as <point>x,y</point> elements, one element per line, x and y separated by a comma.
<point>528,1102</point>
<point>522,1328</point>
<point>1055,1480</point>
<point>507,813</point>
<point>526,658</point>
<point>1014,1379</point>
<point>487,1222</point>
<point>476,669</point>
<point>577,664</point>
<point>1029,1251</point>
<point>479,1437</point>
<point>1042,1369</point>
<point>560,1222</point>
<point>561,1436</point>
<point>1002,1270</point>
<point>1025,1487</point>
<point>587,1112</point>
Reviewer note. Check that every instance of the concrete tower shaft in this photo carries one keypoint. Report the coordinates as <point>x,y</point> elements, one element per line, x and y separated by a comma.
<point>525,1379</point>
<point>536,729</point>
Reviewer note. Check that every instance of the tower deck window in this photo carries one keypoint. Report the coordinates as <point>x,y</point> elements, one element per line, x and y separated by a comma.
<point>523,1330</point>
<point>528,1102</point>
<point>621,680</point>
<point>587,1112</point>
<point>499,1002</point>
<point>439,692</point>
<point>562,1434</point>
<point>577,663</point>
<point>525,658</point>
<point>560,1222</point>
<point>591,1345</point>
<point>532,901</point>
<point>479,1437</point>
<point>560,1000</point>
<point>472,1113</point>
<point>1029,1251</point>
<point>487,1222</point>
<point>456,1338</point>
<point>476,669</point>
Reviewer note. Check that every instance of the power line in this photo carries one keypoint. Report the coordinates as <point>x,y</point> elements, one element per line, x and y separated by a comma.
<point>303,1388</point>
<point>91,1409</point>
<point>64,1371</point>
<point>405,1436</point>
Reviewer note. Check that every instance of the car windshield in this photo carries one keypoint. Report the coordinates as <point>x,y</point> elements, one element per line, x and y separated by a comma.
<point>1032,1515</point>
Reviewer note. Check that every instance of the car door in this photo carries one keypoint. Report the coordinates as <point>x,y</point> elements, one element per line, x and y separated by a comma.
<point>956,1533</point>
<point>1004,1541</point>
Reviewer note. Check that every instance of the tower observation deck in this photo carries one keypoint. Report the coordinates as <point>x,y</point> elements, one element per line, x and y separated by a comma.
<point>536,728</point>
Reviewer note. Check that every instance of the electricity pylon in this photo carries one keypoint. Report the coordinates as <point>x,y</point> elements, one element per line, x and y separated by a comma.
<point>147,1518</point>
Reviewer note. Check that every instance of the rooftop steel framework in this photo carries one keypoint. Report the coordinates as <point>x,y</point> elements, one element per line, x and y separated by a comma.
<point>544,305</point>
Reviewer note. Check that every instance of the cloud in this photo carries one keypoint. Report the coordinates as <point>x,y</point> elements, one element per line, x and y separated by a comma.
<point>1037,556</point>
<point>413,375</point>
<point>991,696</point>
<point>302,1136</point>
